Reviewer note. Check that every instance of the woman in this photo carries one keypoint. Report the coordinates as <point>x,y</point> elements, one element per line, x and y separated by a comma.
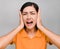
<point>30,34</point>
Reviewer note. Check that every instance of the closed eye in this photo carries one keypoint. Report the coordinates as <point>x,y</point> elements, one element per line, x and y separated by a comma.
<point>32,13</point>
<point>24,13</point>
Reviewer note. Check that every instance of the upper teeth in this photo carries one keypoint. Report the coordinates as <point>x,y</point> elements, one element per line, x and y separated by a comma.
<point>29,22</point>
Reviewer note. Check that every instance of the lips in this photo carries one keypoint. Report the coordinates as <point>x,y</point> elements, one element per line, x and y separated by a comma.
<point>29,23</point>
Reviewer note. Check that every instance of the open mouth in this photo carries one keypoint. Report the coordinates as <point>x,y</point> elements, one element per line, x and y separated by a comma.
<point>29,23</point>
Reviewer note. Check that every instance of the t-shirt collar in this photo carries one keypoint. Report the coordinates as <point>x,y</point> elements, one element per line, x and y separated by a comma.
<point>24,33</point>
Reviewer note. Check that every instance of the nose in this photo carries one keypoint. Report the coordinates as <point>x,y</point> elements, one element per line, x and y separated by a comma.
<point>28,16</point>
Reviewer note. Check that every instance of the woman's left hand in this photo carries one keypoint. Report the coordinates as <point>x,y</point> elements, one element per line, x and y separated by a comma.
<point>39,22</point>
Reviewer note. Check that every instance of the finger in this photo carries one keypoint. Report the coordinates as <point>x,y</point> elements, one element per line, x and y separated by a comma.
<point>20,13</point>
<point>39,12</point>
<point>39,15</point>
<point>20,16</point>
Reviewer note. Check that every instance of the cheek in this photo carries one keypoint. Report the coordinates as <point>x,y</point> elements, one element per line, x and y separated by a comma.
<point>24,17</point>
<point>35,19</point>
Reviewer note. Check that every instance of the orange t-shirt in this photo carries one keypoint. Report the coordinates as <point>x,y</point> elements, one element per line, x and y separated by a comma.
<point>22,41</point>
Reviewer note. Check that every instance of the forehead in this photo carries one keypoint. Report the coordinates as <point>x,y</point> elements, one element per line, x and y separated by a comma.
<point>29,8</point>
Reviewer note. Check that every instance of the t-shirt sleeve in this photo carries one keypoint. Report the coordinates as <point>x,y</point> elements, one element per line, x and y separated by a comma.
<point>48,40</point>
<point>14,40</point>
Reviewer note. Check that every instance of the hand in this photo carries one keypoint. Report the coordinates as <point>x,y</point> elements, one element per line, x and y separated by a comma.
<point>39,23</point>
<point>21,21</point>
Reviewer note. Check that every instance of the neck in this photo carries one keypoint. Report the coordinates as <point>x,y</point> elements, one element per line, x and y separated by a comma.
<point>33,30</point>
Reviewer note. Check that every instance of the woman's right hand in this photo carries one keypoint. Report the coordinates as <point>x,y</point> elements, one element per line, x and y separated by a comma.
<point>21,21</point>
<point>7,39</point>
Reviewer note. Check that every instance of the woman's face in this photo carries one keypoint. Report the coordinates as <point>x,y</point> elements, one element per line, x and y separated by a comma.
<point>30,17</point>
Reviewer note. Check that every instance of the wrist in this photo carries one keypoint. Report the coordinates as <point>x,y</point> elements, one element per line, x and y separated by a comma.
<point>41,27</point>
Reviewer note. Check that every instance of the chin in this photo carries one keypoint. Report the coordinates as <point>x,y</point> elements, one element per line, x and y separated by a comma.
<point>30,27</point>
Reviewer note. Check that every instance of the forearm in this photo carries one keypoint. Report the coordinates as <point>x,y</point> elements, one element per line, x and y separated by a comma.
<point>5,40</point>
<point>55,39</point>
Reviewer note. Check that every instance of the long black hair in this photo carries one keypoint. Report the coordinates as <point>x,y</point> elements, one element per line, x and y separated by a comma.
<point>29,4</point>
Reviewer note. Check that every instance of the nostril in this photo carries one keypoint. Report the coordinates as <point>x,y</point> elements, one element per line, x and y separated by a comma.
<point>28,18</point>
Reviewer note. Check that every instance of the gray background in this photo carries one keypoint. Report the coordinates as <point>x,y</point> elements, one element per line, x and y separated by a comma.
<point>9,18</point>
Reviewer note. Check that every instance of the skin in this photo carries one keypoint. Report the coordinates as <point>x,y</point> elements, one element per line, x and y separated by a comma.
<point>30,14</point>
<point>54,38</point>
<point>27,15</point>
<point>7,39</point>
